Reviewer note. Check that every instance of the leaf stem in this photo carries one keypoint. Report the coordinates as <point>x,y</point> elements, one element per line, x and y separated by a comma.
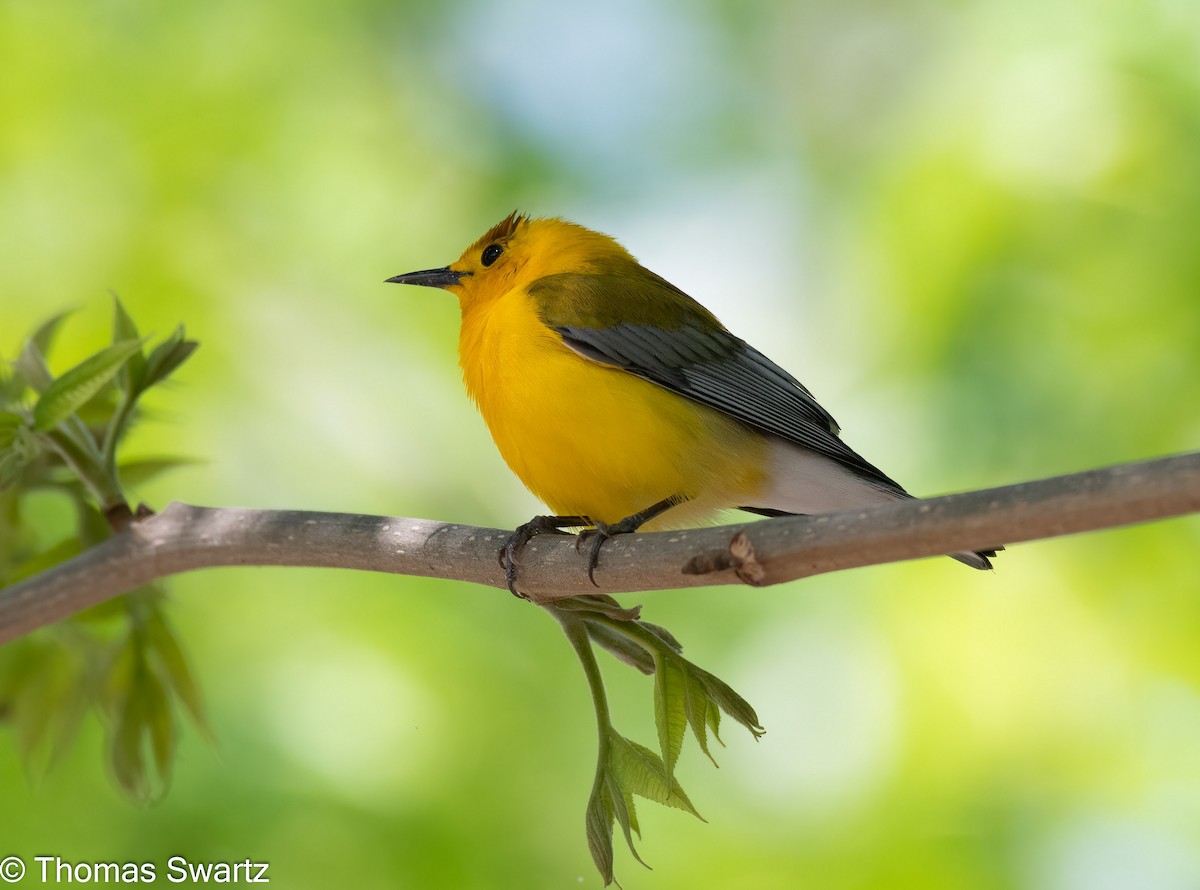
<point>114,433</point>
<point>599,814</point>
<point>576,632</point>
<point>88,469</point>
<point>633,630</point>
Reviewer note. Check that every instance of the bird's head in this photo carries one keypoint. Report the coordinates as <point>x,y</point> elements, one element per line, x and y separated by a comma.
<point>516,252</point>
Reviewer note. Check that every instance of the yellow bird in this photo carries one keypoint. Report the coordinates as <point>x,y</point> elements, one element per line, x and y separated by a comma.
<point>623,403</point>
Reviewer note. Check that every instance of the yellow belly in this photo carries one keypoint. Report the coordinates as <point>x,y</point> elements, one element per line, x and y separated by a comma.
<point>594,440</point>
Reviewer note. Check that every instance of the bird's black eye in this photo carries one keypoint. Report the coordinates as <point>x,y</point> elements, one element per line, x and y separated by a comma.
<point>491,253</point>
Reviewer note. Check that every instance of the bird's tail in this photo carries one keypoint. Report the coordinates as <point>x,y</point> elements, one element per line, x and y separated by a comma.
<point>976,559</point>
<point>804,482</point>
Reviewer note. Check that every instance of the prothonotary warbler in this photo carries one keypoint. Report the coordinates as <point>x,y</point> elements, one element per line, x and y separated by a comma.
<point>623,403</point>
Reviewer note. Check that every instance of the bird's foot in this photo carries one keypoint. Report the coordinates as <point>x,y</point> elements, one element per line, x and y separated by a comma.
<point>597,535</point>
<point>539,525</point>
<point>602,531</point>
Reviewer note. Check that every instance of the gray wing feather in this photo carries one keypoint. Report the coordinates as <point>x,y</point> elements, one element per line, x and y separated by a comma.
<point>719,370</point>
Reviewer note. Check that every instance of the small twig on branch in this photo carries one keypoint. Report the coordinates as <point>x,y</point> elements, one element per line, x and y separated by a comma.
<point>184,538</point>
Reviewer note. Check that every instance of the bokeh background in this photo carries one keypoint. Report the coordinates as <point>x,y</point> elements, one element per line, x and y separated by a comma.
<point>973,229</point>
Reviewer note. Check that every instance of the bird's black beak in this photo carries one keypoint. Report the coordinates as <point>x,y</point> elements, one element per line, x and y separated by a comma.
<point>443,277</point>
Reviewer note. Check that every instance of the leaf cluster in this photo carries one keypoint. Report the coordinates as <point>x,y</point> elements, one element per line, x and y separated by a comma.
<point>121,660</point>
<point>686,697</point>
<point>78,419</point>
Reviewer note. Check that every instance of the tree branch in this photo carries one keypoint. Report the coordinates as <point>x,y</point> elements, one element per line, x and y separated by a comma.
<point>184,537</point>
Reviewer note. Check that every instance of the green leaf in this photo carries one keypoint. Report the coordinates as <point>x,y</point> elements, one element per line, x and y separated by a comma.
<point>730,702</point>
<point>621,647</point>
<point>670,709</point>
<point>129,378</point>
<point>119,679</point>
<point>124,708</point>
<point>45,681</point>
<point>621,801</point>
<point>18,448</point>
<point>9,423</point>
<point>159,725</point>
<point>175,668</point>
<point>640,771</point>
<point>166,357</point>
<point>598,820</point>
<point>44,336</point>
<point>714,723</point>
<point>126,753</point>
<point>11,465</point>
<point>598,602</point>
<point>12,385</point>
<point>42,679</point>
<point>140,710</point>
<point>30,366</point>
<point>70,391</point>
<point>663,634</point>
<point>70,715</point>
<point>697,706</point>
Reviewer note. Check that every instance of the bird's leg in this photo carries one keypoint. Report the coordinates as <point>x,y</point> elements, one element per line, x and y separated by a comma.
<point>539,525</point>
<point>602,531</point>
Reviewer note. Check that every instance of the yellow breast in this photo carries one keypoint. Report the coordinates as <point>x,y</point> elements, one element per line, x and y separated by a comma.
<point>596,440</point>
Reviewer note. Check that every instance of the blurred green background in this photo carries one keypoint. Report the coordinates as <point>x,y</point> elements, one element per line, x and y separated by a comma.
<point>971,228</point>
